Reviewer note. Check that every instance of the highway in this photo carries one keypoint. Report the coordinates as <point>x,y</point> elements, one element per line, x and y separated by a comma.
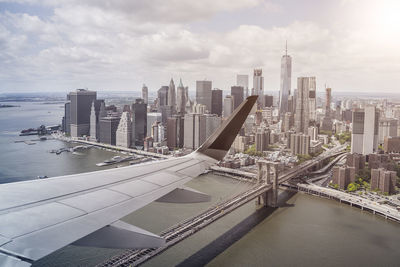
<point>190,226</point>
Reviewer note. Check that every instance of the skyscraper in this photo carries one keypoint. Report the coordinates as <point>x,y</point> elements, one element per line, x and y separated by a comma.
<point>216,102</point>
<point>108,129</point>
<point>312,98</point>
<point>194,132</point>
<point>180,98</point>
<point>228,106</point>
<point>243,80</point>
<point>93,124</point>
<point>328,100</point>
<point>203,93</point>
<point>286,76</point>
<point>175,131</point>
<point>81,103</point>
<point>124,131</point>
<point>162,95</point>
<point>364,136</point>
<point>151,118</point>
<point>139,122</point>
<point>145,94</point>
<point>262,139</point>
<point>302,115</point>
<point>237,93</point>
<point>67,118</point>
<point>172,96</point>
<point>258,86</point>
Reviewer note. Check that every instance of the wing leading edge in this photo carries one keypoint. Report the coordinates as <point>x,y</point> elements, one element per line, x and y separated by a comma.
<point>38,217</point>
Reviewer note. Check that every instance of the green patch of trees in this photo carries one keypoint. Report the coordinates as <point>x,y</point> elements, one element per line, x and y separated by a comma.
<point>253,152</point>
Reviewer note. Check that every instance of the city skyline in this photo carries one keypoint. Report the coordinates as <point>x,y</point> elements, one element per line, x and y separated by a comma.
<point>45,48</point>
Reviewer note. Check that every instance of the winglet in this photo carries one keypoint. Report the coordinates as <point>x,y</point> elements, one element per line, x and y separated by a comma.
<point>221,140</point>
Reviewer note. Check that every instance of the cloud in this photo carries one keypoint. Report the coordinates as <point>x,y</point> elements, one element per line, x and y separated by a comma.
<point>119,45</point>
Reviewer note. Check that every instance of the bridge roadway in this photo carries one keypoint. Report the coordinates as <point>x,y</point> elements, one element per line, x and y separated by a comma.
<point>190,226</point>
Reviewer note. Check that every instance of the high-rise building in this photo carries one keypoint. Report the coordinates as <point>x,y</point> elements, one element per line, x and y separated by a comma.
<point>80,107</point>
<point>286,77</point>
<point>172,96</point>
<point>387,128</point>
<point>391,144</point>
<point>67,118</point>
<point>203,93</point>
<point>302,115</point>
<point>212,123</point>
<point>180,99</point>
<point>343,176</point>
<point>313,132</point>
<point>300,144</point>
<point>151,118</point>
<point>328,101</point>
<point>268,101</point>
<point>108,129</point>
<point>312,98</point>
<point>124,131</point>
<point>383,180</point>
<point>93,124</point>
<point>364,136</point>
<point>262,139</point>
<point>258,86</point>
<point>139,122</point>
<point>194,130</point>
<point>243,80</point>
<point>228,106</point>
<point>162,97</point>
<point>237,93</point>
<point>145,94</point>
<point>216,102</point>
<point>356,160</point>
<point>175,131</point>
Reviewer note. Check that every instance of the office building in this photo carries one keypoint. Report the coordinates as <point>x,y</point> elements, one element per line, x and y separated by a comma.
<point>383,180</point>
<point>299,144</point>
<point>203,93</point>
<point>212,123</point>
<point>194,130</point>
<point>364,136</point>
<point>328,101</point>
<point>93,124</point>
<point>139,122</point>
<point>258,87</point>
<point>175,132</point>
<point>237,94</point>
<point>285,84</point>
<point>180,99</point>
<point>216,102</point>
<point>228,106</point>
<point>162,97</point>
<point>343,176</point>
<point>262,139</point>
<point>387,128</point>
<point>172,96</point>
<point>152,117</point>
<point>80,107</point>
<point>313,133</point>
<point>108,129</point>
<point>268,101</point>
<point>302,116</point>
<point>312,98</point>
<point>124,130</point>
<point>145,94</point>
<point>67,118</point>
<point>288,122</point>
<point>243,80</point>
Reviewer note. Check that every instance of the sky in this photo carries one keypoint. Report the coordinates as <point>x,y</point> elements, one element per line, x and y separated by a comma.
<point>119,45</point>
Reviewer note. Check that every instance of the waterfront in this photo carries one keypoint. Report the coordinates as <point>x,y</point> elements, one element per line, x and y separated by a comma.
<point>309,232</point>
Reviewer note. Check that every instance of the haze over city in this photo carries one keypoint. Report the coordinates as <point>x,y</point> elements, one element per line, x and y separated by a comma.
<point>118,45</point>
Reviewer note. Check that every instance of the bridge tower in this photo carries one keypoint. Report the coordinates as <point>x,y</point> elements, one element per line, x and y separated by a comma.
<point>269,198</point>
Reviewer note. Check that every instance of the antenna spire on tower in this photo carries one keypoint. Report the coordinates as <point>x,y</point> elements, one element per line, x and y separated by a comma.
<point>286,48</point>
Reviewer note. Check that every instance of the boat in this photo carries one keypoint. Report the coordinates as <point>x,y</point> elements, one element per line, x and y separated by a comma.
<point>42,176</point>
<point>114,160</point>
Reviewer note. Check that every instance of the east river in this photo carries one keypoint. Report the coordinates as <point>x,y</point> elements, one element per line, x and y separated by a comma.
<point>306,231</point>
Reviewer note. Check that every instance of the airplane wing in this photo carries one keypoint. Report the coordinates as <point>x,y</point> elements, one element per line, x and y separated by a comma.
<point>40,216</point>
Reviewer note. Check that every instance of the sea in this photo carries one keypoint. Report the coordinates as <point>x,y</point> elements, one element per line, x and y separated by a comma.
<point>304,231</point>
